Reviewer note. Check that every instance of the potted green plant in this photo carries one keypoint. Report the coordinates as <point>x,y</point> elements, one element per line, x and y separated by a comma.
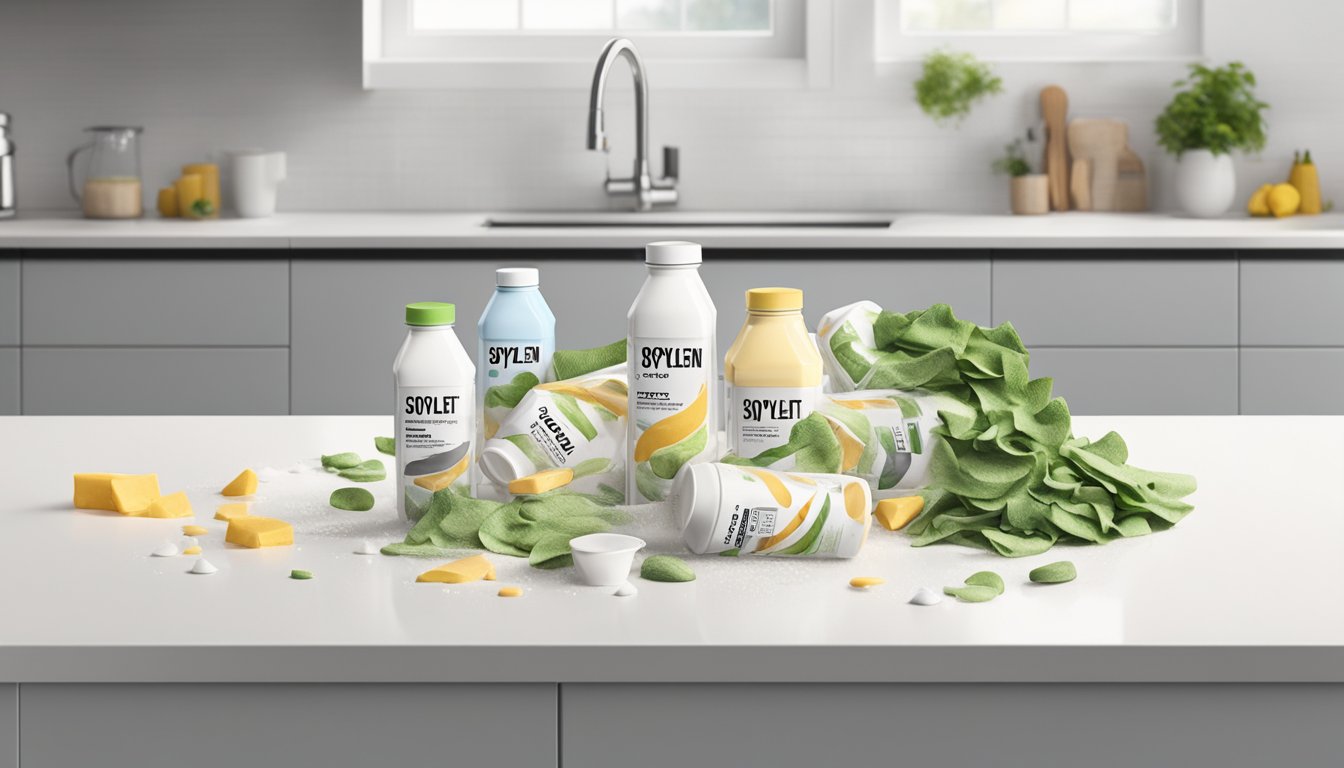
<point>952,83</point>
<point>1029,192</point>
<point>1214,114</point>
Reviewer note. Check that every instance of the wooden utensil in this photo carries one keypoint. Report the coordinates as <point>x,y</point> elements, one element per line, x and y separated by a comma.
<point>1099,142</point>
<point>1131,183</point>
<point>1080,184</point>
<point>1054,109</point>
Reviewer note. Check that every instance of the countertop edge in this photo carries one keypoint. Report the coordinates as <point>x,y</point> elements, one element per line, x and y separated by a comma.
<point>673,664</point>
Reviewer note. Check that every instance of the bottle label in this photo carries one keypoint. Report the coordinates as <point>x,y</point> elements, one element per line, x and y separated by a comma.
<point>671,385</point>
<point>434,436</point>
<point>761,418</point>
<point>789,514</point>
<point>502,360</point>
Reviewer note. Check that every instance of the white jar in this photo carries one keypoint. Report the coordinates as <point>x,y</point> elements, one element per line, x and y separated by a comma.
<point>1206,184</point>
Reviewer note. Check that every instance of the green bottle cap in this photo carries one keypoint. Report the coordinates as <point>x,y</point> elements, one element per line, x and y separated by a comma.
<point>431,313</point>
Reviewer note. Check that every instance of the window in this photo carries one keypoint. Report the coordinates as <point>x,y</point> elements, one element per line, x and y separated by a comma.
<point>1077,30</point>
<point>554,43</point>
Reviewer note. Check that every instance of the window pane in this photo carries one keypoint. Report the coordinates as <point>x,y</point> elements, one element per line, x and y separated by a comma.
<point>1127,16</point>
<point>728,15</point>
<point>464,14</point>
<point>1031,14</point>
<point>648,14</point>
<point>944,15</point>
<point>567,14</point>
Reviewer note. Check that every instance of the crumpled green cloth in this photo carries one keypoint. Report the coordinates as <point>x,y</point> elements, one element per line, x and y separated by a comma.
<point>1008,476</point>
<point>538,527</point>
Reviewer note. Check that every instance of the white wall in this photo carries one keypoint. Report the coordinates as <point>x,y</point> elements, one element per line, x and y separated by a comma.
<point>210,74</point>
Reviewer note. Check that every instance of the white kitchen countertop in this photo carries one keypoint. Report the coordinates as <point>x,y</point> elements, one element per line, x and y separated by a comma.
<point>367,230</point>
<point>1245,589</point>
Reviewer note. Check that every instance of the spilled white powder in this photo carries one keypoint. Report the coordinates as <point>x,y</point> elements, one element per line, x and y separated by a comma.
<point>626,590</point>
<point>203,567</point>
<point>366,548</point>
<point>926,596</point>
<point>166,549</point>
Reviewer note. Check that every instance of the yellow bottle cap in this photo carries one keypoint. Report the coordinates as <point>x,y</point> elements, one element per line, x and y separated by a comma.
<point>774,299</point>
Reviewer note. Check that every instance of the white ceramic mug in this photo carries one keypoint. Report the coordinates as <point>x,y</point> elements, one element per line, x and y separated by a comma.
<point>255,178</point>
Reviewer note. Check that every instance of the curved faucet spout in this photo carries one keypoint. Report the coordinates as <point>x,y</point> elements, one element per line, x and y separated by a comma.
<point>641,184</point>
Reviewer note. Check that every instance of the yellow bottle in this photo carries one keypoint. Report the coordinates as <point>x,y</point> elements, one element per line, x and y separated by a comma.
<point>773,372</point>
<point>209,173</point>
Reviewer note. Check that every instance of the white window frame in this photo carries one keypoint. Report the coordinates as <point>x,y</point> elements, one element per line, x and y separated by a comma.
<point>559,64</point>
<point>1185,42</point>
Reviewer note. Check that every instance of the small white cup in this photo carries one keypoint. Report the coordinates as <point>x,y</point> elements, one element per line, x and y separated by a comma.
<point>255,178</point>
<point>604,559</point>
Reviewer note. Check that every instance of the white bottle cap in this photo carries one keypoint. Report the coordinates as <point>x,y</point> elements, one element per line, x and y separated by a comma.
<point>517,277</point>
<point>502,462</point>
<point>671,253</point>
<point>697,503</point>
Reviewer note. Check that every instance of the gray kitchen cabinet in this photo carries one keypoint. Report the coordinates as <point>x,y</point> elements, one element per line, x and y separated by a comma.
<point>348,319</point>
<point>1115,381</point>
<point>1292,381</point>
<point>951,726</point>
<point>224,726</point>
<point>1288,301</point>
<point>9,381</point>
<point>188,300</point>
<point>9,726</point>
<point>9,300</point>
<point>1097,300</point>
<point>105,381</point>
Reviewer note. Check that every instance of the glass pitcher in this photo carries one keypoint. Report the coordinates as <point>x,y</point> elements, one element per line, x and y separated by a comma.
<point>109,187</point>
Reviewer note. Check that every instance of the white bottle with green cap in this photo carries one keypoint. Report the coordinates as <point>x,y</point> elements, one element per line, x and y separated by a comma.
<point>435,408</point>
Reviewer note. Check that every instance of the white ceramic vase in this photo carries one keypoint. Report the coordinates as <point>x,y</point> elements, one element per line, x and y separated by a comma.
<point>1206,184</point>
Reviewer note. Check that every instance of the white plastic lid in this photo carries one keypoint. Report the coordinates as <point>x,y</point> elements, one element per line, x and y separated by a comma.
<point>517,277</point>
<point>503,463</point>
<point>671,253</point>
<point>697,502</point>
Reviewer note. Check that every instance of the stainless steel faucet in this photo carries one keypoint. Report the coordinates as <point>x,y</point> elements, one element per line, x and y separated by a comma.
<point>646,191</point>
<point>6,169</point>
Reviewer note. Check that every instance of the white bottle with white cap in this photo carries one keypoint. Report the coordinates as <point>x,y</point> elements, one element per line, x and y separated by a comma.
<point>673,381</point>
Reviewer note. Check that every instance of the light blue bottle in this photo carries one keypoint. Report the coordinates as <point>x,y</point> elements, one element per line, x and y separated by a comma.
<point>515,338</point>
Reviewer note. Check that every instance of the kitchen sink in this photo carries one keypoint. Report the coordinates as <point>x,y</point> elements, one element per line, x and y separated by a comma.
<point>686,219</point>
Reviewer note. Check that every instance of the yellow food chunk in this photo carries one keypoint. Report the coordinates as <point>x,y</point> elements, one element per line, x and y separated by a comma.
<point>231,511</point>
<point>245,484</point>
<point>895,514</point>
<point>438,482</point>
<point>856,500</point>
<point>864,582</point>
<point>777,487</point>
<point>93,490</point>
<point>132,494</point>
<point>192,551</point>
<point>542,481</point>
<point>1284,200</point>
<point>194,530</point>
<point>172,505</point>
<point>472,568</point>
<point>674,428</point>
<point>510,591</point>
<point>254,532</point>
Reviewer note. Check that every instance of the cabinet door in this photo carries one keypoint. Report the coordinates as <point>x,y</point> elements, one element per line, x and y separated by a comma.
<point>9,380</point>
<point>952,726</point>
<point>1289,301</point>
<point>225,726</point>
<point>1117,381</point>
<point>114,381</point>
<point>9,300</point>
<point>1292,381</point>
<point>1087,299</point>
<point>9,726</point>
<point>182,300</point>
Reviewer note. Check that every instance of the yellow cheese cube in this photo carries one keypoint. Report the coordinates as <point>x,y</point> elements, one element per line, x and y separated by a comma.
<point>231,511</point>
<point>864,582</point>
<point>93,490</point>
<point>245,484</point>
<point>541,482</point>
<point>441,480</point>
<point>194,530</point>
<point>132,494</point>
<point>510,591</point>
<point>192,551</point>
<point>257,532</point>
<point>895,514</point>
<point>172,505</point>
<point>472,568</point>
